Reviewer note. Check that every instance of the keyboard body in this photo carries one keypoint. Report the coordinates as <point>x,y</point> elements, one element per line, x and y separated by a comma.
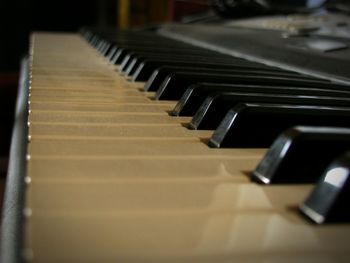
<point>111,177</point>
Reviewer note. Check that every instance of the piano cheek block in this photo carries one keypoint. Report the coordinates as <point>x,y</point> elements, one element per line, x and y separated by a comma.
<point>329,201</point>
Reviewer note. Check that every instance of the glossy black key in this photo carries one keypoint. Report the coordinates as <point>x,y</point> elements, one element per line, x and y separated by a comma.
<point>154,43</point>
<point>175,84</point>
<point>157,51</point>
<point>329,201</point>
<point>105,48</point>
<point>215,107</point>
<point>102,45</point>
<point>173,56</point>
<point>300,154</point>
<point>130,71</point>
<point>111,52</point>
<point>141,40</point>
<point>149,41</point>
<point>197,93</point>
<point>161,73</point>
<point>192,56</point>
<point>126,48</point>
<point>142,54</point>
<point>146,67</point>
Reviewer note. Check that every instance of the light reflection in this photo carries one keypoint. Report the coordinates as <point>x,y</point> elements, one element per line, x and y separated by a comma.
<point>314,3</point>
<point>336,176</point>
<point>285,149</point>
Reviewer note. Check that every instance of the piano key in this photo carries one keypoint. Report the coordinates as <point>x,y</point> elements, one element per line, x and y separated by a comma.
<point>138,59</point>
<point>207,233</point>
<point>142,39</point>
<point>57,202</point>
<point>215,107</point>
<point>111,52</point>
<point>37,116</point>
<point>129,147</point>
<point>173,48</point>
<point>142,169</point>
<point>257,125</point>
<point>124,51</point>
<point>94,40</point>
<point>146,67</point>
<point>101,107</point>
<point>112,131</point>
<point>145,40</point>
<point>328,202</point>
<point>158,76</point>
<point>175,84</point>
<point>154,47</point>
<point>301,154</point>
<point>197,93</point>
<point>160,51</point>
<point>99,45</point>
<point>52,97</point>
<point>104,47</point>
<point>175,57</point>
<point>133,57</point>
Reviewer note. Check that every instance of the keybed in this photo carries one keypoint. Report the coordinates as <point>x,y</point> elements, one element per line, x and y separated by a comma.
<point>114,177</point>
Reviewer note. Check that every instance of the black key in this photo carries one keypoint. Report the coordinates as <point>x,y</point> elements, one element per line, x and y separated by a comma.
<point>116,59</point>
<point>329,201</point>
<point>124,50</point>
<point>94,41</point>
<point>130,53</point>
<point>101,45</point>
<point>111,52</point>
<point>215,107</point>
<point>170,56</point>
<point>146,67</point>
<point>161,48</point>
<point>127,44</point>
<point>197,93</point>
<point>149,52</point>
<point>151,41</point>
<point>143,40</point>
<point>175,84</point>
<point>239,62</point>
<point>300,154</point>
<point>129,58</point>
<point>105,48</point>
<point>161,73</point>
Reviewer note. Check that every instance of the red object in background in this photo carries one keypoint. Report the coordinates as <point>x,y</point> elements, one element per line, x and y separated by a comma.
<point>179,9</point>
<point>8,79</point>
<point>8,94</point>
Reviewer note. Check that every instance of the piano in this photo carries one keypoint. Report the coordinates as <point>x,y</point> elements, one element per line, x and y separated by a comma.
<point>189,143</point>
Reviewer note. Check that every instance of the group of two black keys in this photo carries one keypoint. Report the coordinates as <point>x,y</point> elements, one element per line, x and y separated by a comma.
<point>247,104</point>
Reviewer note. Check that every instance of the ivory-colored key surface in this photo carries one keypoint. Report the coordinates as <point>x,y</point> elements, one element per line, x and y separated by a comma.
<point>114,178</point>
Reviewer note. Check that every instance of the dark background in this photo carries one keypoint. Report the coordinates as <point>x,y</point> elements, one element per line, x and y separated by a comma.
<point>19,18</point>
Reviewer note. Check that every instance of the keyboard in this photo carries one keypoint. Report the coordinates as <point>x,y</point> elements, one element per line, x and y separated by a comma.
<point>165,147</point>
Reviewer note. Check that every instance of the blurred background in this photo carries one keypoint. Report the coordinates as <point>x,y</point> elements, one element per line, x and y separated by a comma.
<point>19,18</point>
